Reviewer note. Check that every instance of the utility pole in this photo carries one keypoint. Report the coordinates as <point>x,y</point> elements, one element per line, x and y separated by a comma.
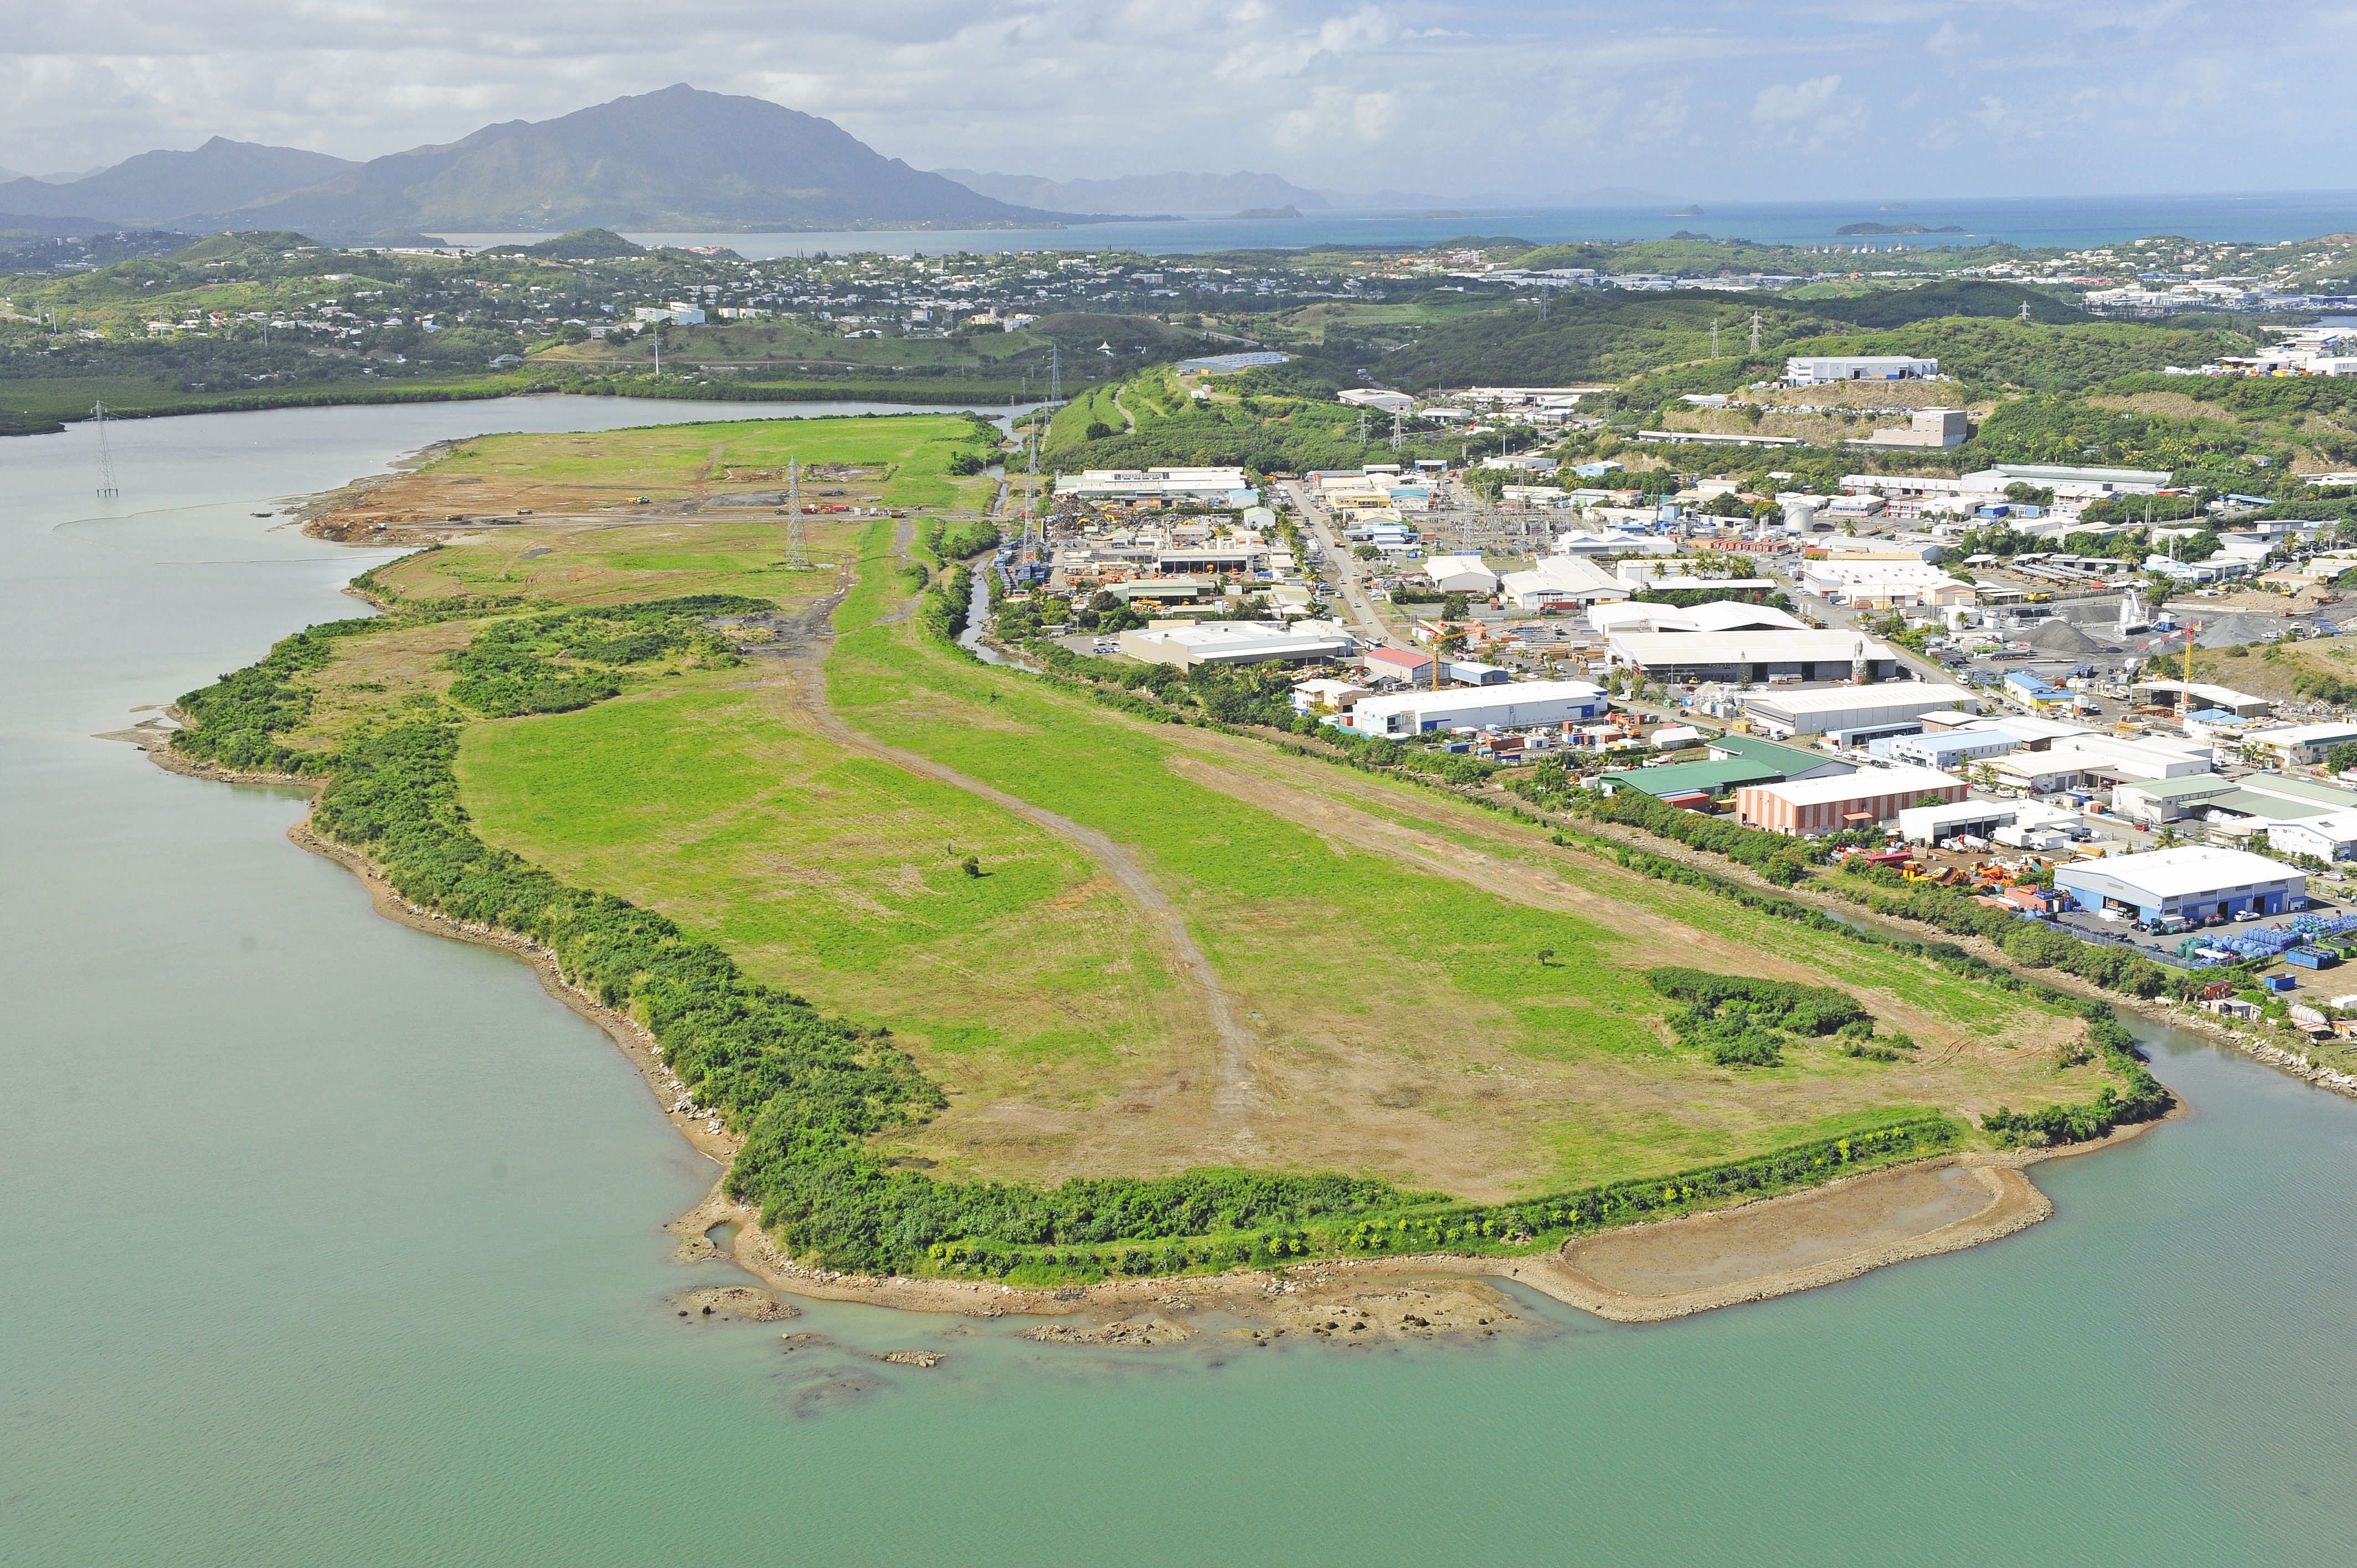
<point>106,490</point>
<point>657,330</point>
<point>1755,332</point>
<point>1714,336</point>
<point>1055,373</point>
<point>797,547</point>
<point>1362,427</point>
<point>1399,418</point>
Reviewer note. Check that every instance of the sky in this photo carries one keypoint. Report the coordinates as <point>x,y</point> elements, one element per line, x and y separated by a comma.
<point>1495,100</point>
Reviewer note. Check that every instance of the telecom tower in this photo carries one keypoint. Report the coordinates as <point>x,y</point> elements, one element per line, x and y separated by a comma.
<point>797,547</point>
<point>106,490</point>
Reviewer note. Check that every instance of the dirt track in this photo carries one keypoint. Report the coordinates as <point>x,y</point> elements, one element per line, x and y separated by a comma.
<point>1235,1096</point>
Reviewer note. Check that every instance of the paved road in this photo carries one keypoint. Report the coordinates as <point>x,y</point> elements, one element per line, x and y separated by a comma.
<point>1341,569</point>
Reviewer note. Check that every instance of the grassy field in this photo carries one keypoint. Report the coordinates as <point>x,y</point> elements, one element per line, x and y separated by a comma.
<point>1380,944</point>
<point>604,563</point>
<point>911,454</point>
<point>1386,940</point>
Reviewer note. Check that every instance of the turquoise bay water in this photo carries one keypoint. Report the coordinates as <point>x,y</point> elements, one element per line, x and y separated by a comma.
<point>326,1242</point>
<point>2032,222</point>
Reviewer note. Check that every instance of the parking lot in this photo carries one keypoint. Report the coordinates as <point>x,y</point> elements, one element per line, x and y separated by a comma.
<point>2125,933</point>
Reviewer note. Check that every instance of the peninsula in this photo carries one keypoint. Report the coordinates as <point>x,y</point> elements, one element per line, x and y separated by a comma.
<point>980,978</point>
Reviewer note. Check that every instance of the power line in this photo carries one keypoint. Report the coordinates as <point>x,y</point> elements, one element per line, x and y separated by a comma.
<point>797,547</point>
<point>106,490</point>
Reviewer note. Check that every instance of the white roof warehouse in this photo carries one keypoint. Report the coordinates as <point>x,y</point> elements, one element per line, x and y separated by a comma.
<point>2193,882</point>
<point>1757,657</point>
<point>1238,643</point>
<point>1515,703</point>
<point>1851,712</point>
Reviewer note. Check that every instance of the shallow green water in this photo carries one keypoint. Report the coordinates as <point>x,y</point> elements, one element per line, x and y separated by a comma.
<point>325,1241</point>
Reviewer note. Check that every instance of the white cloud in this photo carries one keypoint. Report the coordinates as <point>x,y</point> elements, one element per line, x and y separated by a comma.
<point>1790,103</point>
<point>1535,95</point>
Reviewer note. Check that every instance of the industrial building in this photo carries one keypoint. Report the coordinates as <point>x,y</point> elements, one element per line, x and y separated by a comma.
<point>2302,745</point>
<point>1734,761</point>
<point>2200,696</point>
<point>1816,371</point>
<point>1928,429</point>
<point>1510,707</point>
<point>2300,816</point>
<point>1462,574</point>
<point>1755,657</point>
<point>1851,714</point>
<point>1400,664</point>
<point>1883,584</point>
<point>1238,643</point>
<point>1221,556</point>
<point>2195,883</point>
<point>1950,739</point>
<point>2093,763</point>
<point>1811,807</point>
<point>1200,487</point>
<point>2068,482</point>
<point>1720,615</point>
<point>1560,583</point>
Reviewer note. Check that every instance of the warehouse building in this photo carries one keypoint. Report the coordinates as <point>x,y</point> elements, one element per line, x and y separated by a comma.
<point>1511,706</point>
<point>2196,883</point>
<point>1462,574</point>
<point>1561,582</point>
<point>2301,745</point>
<point>1200,487</point>
<point>1851,716</point>
<point>1752,657</point>
<point>1734,761</point>
<point>1816,371</point>
<point>1238,643</point>
<point>1811,807</point>
<point>1720,615</point>
<point>2094,762</point>
<point>2295,814</point>
<point>1884,583</point>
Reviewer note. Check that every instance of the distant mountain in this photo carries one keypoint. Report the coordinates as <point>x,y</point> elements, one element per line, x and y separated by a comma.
<point>1142,193</point>
<point>677,159</point>
<point>53,228</point>
<point>159,187</point>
